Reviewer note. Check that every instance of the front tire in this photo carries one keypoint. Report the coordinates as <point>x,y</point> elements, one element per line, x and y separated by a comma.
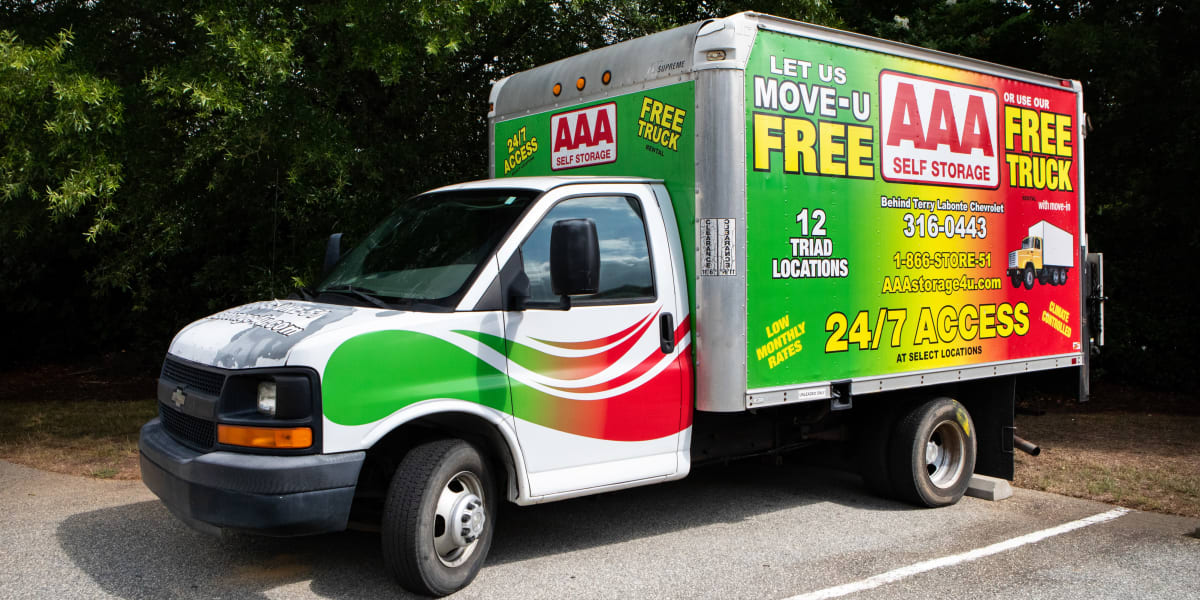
<point>1029,277</point>
<point>438,517</point>
<point>933,453</point>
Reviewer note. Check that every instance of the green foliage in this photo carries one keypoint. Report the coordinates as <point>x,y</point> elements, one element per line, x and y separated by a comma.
<point>160,161</point>
<point>57,125</point>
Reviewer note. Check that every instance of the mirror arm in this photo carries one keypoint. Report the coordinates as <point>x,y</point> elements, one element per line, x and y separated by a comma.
<point>333,253</point>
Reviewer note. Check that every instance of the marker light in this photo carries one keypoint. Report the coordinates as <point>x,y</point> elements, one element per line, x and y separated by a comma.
<point>715,55</point>
<point>606,78</point>
<point>266,398</point>
<point>557,89</point>
<point>579,83</point>
<point>265,437</point>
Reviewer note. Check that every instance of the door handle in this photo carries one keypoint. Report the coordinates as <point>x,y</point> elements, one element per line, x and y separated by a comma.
<point>666,333</point>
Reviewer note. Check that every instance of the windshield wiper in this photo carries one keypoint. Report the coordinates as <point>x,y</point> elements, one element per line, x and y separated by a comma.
<point>361,293</point>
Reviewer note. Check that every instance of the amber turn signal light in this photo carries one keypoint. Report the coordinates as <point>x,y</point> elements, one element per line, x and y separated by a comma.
<point>290,438</point>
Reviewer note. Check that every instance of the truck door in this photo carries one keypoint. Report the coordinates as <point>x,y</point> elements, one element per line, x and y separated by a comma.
<point>598,390</point>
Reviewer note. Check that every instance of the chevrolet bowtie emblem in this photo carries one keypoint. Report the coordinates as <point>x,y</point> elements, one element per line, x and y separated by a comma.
<point>179,397</point>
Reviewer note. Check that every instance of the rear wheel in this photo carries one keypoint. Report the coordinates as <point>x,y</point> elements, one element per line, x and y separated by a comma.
<point>438,518</point>
<point>933,453</point>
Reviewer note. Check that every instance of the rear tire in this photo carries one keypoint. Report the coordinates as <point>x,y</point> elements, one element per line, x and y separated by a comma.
<point>438,517</point>
<point>933,453</point>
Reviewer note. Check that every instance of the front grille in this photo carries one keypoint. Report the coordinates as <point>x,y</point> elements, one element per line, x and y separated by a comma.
<point>194,378</point>
<point>193,431</point>
<point>1012,259</point>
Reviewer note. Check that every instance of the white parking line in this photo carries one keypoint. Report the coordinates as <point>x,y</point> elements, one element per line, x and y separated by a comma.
<point>954,559</point>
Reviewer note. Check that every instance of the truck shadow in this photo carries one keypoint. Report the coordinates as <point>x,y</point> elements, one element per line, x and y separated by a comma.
<point>141,551</point>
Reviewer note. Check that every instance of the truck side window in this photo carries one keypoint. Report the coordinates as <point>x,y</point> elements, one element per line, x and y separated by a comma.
<point>625,268</point>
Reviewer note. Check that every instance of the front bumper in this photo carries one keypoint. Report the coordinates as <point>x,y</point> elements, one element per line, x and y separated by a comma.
<point>267,495</point>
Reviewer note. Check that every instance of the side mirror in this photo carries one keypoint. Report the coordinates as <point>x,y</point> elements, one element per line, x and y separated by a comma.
<point>333,252</point>
<point>574,258</point>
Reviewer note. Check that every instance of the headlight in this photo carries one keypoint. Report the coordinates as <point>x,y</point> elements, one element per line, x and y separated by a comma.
<point>266,398</point>
<point>274,395</point>
<point>274,410</point>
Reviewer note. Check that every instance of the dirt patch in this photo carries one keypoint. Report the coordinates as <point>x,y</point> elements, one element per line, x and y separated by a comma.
<point>1143,459</point>
<point>78,419</point>
<point>88,437</point>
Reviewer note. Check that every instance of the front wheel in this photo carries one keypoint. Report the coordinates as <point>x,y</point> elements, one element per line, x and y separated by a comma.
<point>438,518</point>
<point>933,453</point>
<point>1029,276</point>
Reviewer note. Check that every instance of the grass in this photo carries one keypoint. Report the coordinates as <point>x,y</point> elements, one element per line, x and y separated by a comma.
<point>1138,460</point>
<point>88,437</point>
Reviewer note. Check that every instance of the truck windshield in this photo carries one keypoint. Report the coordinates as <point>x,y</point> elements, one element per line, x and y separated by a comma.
<point>1026,243</point>
<point>428,250</point>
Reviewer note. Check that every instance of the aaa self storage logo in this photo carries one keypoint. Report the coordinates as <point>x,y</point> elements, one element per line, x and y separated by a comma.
<point>938,132</point>
<point>584,137</point>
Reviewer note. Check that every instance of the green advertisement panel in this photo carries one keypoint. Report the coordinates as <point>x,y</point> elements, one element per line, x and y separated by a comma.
<point>649,133</point>
<point>904,216</point>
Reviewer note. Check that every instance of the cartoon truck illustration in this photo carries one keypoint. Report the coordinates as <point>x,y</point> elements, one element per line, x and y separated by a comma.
<point>1046,255</point>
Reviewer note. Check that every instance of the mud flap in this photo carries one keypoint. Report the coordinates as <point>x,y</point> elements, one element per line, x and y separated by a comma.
<point>991,403</point>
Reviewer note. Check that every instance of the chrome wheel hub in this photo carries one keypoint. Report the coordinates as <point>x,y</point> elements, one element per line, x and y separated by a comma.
<point>945,454</point>
<point>461,519</point>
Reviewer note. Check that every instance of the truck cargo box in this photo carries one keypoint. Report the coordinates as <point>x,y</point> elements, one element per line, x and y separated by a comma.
<point>847,202</point>
<point>1058,246</point>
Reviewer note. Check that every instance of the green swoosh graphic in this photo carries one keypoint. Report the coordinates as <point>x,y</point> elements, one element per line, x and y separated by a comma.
<point>373,375</point>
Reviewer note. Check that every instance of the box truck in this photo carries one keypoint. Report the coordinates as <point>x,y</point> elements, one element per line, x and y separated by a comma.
<point>1046,254</point>
<point>735,238</point>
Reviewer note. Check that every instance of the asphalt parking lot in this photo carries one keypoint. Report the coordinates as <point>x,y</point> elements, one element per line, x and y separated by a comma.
<point>746,530</point>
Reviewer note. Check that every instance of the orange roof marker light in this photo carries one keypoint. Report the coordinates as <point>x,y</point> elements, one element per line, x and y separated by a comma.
<point>557,89</point>
<point>606,78</point>
<point>265,437</point>
<point>579,83</point>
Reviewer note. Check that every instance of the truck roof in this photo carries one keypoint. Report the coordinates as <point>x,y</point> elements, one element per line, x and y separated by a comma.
<point>541,184</point>
<point>677,54</point>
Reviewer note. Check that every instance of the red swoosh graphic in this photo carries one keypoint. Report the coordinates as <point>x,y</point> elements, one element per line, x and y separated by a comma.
<point>647,363</point>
